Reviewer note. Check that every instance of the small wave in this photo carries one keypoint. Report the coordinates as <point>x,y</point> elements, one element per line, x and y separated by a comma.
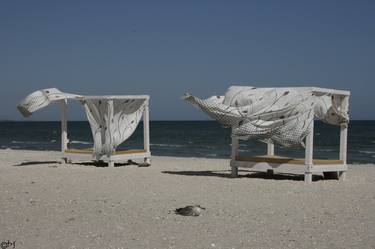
<point>366,152</point>
<point>325,150</point>
<point>211,155</point>
<point>168,145</point>
<point>241,150</point>
<point>53,141</point>
<point>79,142</point>
<point>27,142</point>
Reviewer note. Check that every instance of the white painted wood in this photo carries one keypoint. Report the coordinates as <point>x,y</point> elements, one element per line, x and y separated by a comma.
<point>147,160</point>
<point>309,151</point>
<point>146,131</point>
<point>276,167</point>
<point>308,177</point>
<point>118,97</point>
<point>343,139</point>
<point>329,168</point>
<point>330,91</point>
<point>111,164</point>
<point>289,168</point>
<point>343,142</point>
<point>342,175</point>
<point>146,127</point>
<point>64,125</point>
<point>235,146</point>
<point>128,156</point>
<point>115,158</point>
<point>108,131</point>
<point>270,149</point>
<point>234,168</point>
<point>343,134</point>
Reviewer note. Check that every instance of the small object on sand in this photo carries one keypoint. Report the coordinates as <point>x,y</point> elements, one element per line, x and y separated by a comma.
<point>190,210</point>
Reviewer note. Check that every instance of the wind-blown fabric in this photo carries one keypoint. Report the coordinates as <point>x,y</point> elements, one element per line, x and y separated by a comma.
<point>275,115</point>
<point>107,132</point>
<point>43,98</point>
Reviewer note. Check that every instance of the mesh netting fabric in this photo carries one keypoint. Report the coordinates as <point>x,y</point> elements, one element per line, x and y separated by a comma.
<point>282,116</point>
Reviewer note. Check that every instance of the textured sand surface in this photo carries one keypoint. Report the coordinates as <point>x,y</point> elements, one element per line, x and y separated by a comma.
<point>51,205</point>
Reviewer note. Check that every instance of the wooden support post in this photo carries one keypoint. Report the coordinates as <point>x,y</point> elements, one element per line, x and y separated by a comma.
<point>309,151</point>
<point>109,150</point>
<point>64,128</point>
<point>270,149</point>
<point>343,138</point>
<point>235,146</point>
<point>343,142</point>
<point>270,152</point>
<point>146,131</point>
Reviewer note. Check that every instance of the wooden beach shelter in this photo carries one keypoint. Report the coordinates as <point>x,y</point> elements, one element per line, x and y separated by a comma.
<point>113,119</point>
<point>281,116</point>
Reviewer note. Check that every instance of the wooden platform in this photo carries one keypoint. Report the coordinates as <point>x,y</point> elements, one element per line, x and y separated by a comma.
<point>279,160</point>
<point>90,151</point>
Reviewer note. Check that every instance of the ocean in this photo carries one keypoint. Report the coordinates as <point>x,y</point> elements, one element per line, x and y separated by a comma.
<point>190,139</point>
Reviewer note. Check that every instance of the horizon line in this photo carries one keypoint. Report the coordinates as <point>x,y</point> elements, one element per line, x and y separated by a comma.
<point>157,120</point>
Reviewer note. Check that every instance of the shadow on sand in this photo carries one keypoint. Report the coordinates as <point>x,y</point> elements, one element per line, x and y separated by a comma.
<point>28,163</point>
<point>250,174</point>
<point>105,164</point>
<point>88,163</point>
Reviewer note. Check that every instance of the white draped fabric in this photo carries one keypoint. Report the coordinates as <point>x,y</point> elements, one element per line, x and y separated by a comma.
<point>112,120</point>
<point>274,115</point>
<point>109,132</point>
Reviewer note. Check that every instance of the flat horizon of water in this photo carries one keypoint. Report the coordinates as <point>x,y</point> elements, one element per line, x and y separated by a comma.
<point>189,139</point>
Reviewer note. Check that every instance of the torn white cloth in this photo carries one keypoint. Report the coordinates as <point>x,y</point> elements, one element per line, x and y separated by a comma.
<point>112,121</point>
<point>274,115</point>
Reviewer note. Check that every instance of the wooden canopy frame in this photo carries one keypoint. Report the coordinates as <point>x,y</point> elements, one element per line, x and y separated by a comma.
<point>307,166</point>
<point>69,154</point>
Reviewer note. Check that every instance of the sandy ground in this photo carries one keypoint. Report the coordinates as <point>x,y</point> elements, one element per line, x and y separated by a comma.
<point>51,205</point>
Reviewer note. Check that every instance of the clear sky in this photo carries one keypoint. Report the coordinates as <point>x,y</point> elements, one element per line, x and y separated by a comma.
<point>165,48</point>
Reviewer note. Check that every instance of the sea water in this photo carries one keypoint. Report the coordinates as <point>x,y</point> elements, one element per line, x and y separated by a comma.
<point>190,139</point>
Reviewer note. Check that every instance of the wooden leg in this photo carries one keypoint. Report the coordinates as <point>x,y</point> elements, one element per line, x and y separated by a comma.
<point>308,177</point>
<point>235,146</point>
<point>309,151</point>
<point>146,162</point>
<point>234,169</point>
<point>342,175</point>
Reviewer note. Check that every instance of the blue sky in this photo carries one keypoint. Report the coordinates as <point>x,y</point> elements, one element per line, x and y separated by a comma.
<point>165,48</point>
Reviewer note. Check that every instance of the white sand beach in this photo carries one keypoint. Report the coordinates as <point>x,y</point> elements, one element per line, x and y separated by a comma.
<point>44,204</point>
